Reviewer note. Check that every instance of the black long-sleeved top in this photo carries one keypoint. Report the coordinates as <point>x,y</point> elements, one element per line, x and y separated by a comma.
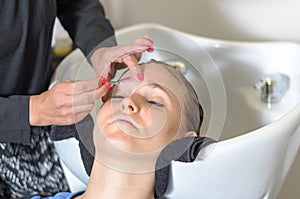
<point>25,43</point>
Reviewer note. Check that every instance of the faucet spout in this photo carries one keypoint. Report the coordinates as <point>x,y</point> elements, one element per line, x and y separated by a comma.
<point>273,87</point>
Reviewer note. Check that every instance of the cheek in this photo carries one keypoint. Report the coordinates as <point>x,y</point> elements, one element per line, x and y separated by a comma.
<point>108,134</point>
<point>104,113</point>
<point>102,117</point>
<point>172,128</point>
<point>168,132</point>
<point>156,121</point>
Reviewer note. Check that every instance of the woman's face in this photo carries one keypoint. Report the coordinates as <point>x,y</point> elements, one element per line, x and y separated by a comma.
<point>140,117</point>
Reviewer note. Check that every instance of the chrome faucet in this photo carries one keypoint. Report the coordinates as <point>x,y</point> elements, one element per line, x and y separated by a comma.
<point>273,87</point>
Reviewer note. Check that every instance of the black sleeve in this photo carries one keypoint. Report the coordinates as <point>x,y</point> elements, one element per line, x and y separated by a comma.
<point>14,122</point>
<point>86,23</point>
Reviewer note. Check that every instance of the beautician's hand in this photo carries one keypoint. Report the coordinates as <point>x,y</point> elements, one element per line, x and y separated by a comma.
<point>106,60</point>
<point>66,102</point>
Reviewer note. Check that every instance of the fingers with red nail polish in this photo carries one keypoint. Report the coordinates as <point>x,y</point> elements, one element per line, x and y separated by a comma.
<point>140,77</point>
<point>150,48</point>
<point>108,85</point>
<point>103,80</point>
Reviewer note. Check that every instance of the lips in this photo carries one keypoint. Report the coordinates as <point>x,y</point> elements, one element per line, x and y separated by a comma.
<point>122,120</point>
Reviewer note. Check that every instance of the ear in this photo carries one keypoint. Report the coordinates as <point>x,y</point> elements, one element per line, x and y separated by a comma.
<point>190,134</point>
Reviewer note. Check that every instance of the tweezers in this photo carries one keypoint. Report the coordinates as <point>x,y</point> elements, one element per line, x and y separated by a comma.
<point>113,83</point>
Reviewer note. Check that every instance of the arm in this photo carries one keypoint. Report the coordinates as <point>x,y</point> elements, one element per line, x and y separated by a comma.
<point>66,103</point>
<point>86,23</point>
<point>14,122</point>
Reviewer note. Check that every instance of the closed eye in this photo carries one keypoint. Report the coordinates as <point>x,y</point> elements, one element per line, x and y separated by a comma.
<point>149,101</point>
<point>155,103</point>
<point>117,97</point>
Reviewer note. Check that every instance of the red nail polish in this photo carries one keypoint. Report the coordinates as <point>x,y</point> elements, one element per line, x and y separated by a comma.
<point>103,80</point>
<point>108,85</point>
<point>150,48</point>
<point>140,77</point>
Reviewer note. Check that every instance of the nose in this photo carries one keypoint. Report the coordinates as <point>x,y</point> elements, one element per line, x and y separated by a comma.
<point>138,109</point>
<point>134,104</point>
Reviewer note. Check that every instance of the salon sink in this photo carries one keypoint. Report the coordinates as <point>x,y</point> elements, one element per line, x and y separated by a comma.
<point>223,73</point>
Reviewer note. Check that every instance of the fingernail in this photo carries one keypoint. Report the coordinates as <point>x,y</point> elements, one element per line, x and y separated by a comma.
<point>103,80</point>
<point>140,76</point>
<point>150,48</point>
<point>151,40</point>
<point>108,85</point>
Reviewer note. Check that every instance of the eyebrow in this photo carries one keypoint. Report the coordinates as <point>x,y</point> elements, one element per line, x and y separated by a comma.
<point>156,85</point>
<point>149,83</point>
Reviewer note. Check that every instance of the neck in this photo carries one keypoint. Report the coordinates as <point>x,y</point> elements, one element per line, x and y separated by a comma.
<point>109,183</point>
